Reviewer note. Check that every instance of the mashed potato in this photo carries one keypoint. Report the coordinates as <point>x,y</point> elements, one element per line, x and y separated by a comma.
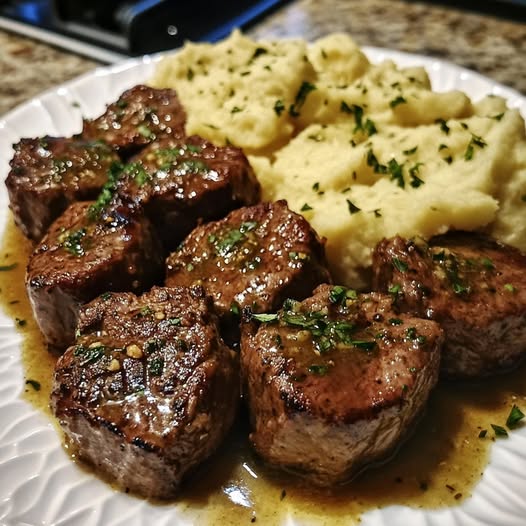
<point>363,151</point>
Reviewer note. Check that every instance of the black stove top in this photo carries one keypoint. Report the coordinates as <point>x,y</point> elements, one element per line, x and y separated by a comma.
<point>129,28</point>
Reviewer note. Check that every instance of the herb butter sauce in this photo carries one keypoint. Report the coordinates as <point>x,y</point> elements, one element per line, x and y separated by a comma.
<point>438,466</point>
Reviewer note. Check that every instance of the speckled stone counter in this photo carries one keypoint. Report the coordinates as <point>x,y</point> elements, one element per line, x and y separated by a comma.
<point>494,47</point>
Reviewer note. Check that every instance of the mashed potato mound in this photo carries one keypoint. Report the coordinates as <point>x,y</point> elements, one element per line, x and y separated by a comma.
<point>363,151</point>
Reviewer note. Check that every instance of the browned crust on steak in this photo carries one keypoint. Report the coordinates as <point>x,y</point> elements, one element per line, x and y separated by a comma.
<point>117,252</point>
<point>140,115</point>
<point>326,414</point>
<point>150,390</point>
<point>255,257</point>
<point>472,285</point>
<point>48,174</point>
<point>190,180</point>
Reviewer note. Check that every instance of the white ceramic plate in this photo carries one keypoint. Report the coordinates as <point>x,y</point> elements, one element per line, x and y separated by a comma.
<point>39,485</point>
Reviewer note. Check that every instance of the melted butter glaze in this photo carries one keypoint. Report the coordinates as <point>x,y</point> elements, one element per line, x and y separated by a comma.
<point>437,466</point>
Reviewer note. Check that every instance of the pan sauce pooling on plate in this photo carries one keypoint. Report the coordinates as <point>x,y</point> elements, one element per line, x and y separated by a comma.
<point>363,151</point>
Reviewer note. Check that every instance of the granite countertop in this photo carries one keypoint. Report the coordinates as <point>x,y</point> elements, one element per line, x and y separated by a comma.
<point>494,47</point>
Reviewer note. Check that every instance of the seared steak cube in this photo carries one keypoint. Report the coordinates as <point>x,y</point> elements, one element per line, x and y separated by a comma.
<point>140,116</point>
<point>149,390</point>
<point>255,257</point>
<point>334,382</point>
<point>472,285</point>
<point>48,174</point>
<point>83,256</point>
<point>181,181</point>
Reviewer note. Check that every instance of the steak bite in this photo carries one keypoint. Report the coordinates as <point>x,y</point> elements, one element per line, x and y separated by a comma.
<point>336,381</point>
<point>50,173</point>
<point>472,285</point>
<point>255,257</point>
<point>149,390</point>
<point>182,181</point>
<point>140,116</point>
<point>83,256</point>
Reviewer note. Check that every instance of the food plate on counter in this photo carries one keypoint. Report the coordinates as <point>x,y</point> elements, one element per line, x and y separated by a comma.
<point>39,483</point>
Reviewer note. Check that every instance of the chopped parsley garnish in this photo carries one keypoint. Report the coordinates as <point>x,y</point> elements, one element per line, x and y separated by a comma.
<point>394,289</point>
<point>515,416</point>
<point>138,173</point>
<point>225,245</point>
<point>373,162</point>
<point>20,322</point>
<point>34,384</point>
<point>345,108</point>
<point>487,263</point>
<point>153,345</point>
<point>411,151</point>
<point>399,264</point>
<point>253,264</point>
<point>395,321</point>
<point>353,209</point>
<point>189,74</point>
<point>298,256</point>
<point>301,96</point>
<point>340,294</point>
<point>396,101</point>
<point>444,128</point>
<point>509,287</point>
<point>470,150</point>
<point>416,182</point>
<point>306,207</point>
<point>235,309</point>
<point>73,242</point>
<point>258,52</point>
<point>156,367</point>
<point>413,173</point>
<point>265,318</point>
<point>236,109</point>
<point>367,127</point>
<point>169,158</point>
<point>89,354</point>
<point>106,194</point>
<point>483,433</point>
<point>452,266</point>
<point>326,333</point>
<point>396,171</point>
<point>411,333</point>
<point>6,268</point>
<point>318,370</point>
<point>392,167</point>
<point>279,107</point>
<point>460,288</point>
<point>145,131</point>
<point>364,345</point>
<point>145,311</point>
<point>192,166</point>
<point>499,431</point>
